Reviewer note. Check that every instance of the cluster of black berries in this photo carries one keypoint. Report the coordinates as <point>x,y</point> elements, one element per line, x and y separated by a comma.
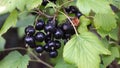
<point>73,9</point>
<point>48,33</point>
<point>44,2</point>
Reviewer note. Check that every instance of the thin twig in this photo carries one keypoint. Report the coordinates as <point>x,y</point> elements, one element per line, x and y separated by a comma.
<point>39,60</point>
<point>41,13</point>
<point>71,23</point>
<point>15,48</point>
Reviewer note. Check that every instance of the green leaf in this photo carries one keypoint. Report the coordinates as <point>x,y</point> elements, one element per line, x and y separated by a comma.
<point>31,4</point>
<point>62,64</point>
<point>15,60</point>
<point>84,50</point>
<point>2,43</point>
<point>83,24</point>
<point>115,3</point>
<point>25,21</point>
<point>98,6</point>
<point>11,21</point>
<point>114,54</point>
<point>114,34</point>
<point>50,4</point>
<point>105,21</point>
<point>10,5</point>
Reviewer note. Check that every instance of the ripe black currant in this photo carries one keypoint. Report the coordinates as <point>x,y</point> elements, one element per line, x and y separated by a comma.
<point>73,9</point>
<point>47,37</point>
<point>39,49</point>
<point>51,44</point>
<point>50,27</point>
<point>39,25</point>
<point>44,2</point>
<point>66,36</point>
<point>29,30</point>
<point>53,54</point>
<point>58,34</point>
<point>57,44</point>
<point>30,41</point>
<point>67,28</point>
<point>52,21</point>
<point>78,14</point>
<point>39,36</point>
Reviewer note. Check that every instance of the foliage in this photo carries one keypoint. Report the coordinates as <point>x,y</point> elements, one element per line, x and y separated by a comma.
<point>86,49</point>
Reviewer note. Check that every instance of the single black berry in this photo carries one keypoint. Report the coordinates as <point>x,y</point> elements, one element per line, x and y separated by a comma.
<point>73,9</point>
<point>39,25</point>
<point>47,48</point>
<point>53,54</point>
<point>78,14</point>
<point>51,44</point>
<point>50,27</point>
<point>44,2</point>
<point>67,28</point>
<point>67,10</point>
<point>30,41</point>
<point>47,37</point>
<point>52,21</point>
<point>29,30</point>
<point>57,44</point>
<point>39,36</point>
<point>39,49</point>
<point>66,36</point>
<point>58,34</point>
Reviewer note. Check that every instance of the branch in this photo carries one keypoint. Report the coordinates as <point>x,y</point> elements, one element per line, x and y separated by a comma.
<point>41,13</point>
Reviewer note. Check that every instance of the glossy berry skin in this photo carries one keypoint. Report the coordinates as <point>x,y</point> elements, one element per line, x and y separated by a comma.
<point>58,34</point>
<point>53,54</point>
<point>30,41</point>
<point>57,44</point>
<point>50,28</point>
<point>73,9</point>
<point>53,22</point>
<point>67,10</point>
<point>51,44</point>
<point>39,49</point>
<point>78,14</point>
<point>39,25</point>
<point>47,48</point>
<point>47,37</point>
<point>39,36</point>
<point>67,28</point>
<point>29,30</point>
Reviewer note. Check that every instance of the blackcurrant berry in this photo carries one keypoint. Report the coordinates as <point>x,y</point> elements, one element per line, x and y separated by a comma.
<point>39,36</point>
<point>73,9</point>
<point>29,30</point>
<point>47,48</point>
<point>78,14</point>
<point>50,28</point>
<point>52,21</point>
<point>67,10</point>
<point>66,36</point>
<point>47,37</point>
<point>44,2</point>
<point>53,54</point>
<point>57,44</point>
<point>58,34</point>
<point>39,25</point>
<point>39,49</point>
<point>51,44</point>
<point>67,28</point>
<point>30,41</point>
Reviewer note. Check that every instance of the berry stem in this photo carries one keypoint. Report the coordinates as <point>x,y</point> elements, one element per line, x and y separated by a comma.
<point>70,22</point>
<point>42,13</point>
<point>39,60</point>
